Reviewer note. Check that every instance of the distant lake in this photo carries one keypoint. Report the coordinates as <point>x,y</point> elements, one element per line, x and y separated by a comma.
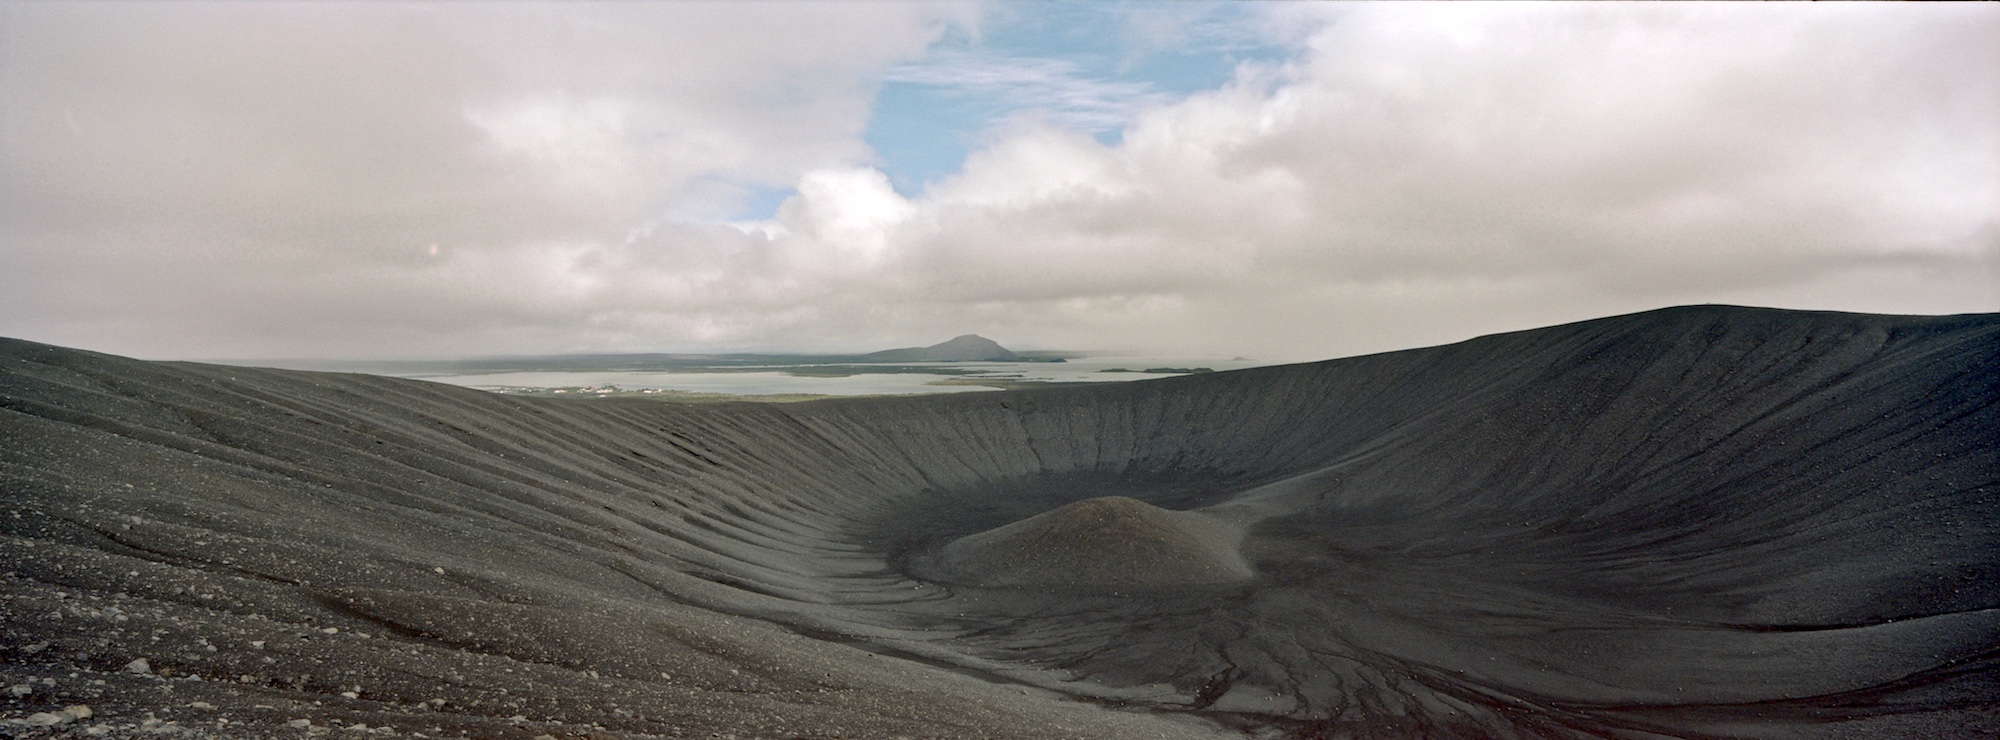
<point>836,379</point>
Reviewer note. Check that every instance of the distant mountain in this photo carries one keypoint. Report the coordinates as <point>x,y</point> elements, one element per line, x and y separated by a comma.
<point>967,348</point>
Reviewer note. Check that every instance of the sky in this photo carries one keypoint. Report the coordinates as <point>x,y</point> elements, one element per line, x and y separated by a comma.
<point>1284,181</point>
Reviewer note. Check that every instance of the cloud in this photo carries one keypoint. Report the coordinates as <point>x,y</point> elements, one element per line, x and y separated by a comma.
<point>1056,91</point>
<point>202,181</point>
<point>214,180</point>
<point>1521,163</point>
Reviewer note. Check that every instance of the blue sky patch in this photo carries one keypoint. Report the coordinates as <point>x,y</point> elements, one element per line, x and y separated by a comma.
<point>1091,67</point>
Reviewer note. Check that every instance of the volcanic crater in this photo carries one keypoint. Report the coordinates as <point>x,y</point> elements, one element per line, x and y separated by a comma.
<point>1705,521</point>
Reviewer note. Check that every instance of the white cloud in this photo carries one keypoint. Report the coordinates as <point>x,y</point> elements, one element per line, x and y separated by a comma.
<point>1052,90</point>
<point>853,211</point>
<point>254,181</point>
<point>1461,164</point>
<point>217,180</point>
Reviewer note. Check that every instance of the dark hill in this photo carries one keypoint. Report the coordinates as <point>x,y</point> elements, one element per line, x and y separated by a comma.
<point>1695,522</point>
<point>1109,542</point>
<point>964,348</point>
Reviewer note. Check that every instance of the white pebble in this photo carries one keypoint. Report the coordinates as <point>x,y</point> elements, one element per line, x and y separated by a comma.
<point>68,714</point>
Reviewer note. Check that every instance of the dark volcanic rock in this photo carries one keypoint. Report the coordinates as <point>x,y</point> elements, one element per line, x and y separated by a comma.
<point>1696,522</point>
<point>965,348</point>
<point>1101,543</point>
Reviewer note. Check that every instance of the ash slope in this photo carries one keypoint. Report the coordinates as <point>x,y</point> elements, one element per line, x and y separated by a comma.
<point>1696,522</point>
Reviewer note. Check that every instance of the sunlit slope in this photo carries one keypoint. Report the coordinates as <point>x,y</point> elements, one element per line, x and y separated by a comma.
<point>1705,520</point>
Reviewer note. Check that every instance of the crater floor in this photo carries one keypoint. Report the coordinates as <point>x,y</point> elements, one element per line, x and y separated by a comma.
<point>1108,543</point>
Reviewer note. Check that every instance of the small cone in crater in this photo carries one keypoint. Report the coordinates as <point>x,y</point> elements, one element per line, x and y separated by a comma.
<point>1107,542</point>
